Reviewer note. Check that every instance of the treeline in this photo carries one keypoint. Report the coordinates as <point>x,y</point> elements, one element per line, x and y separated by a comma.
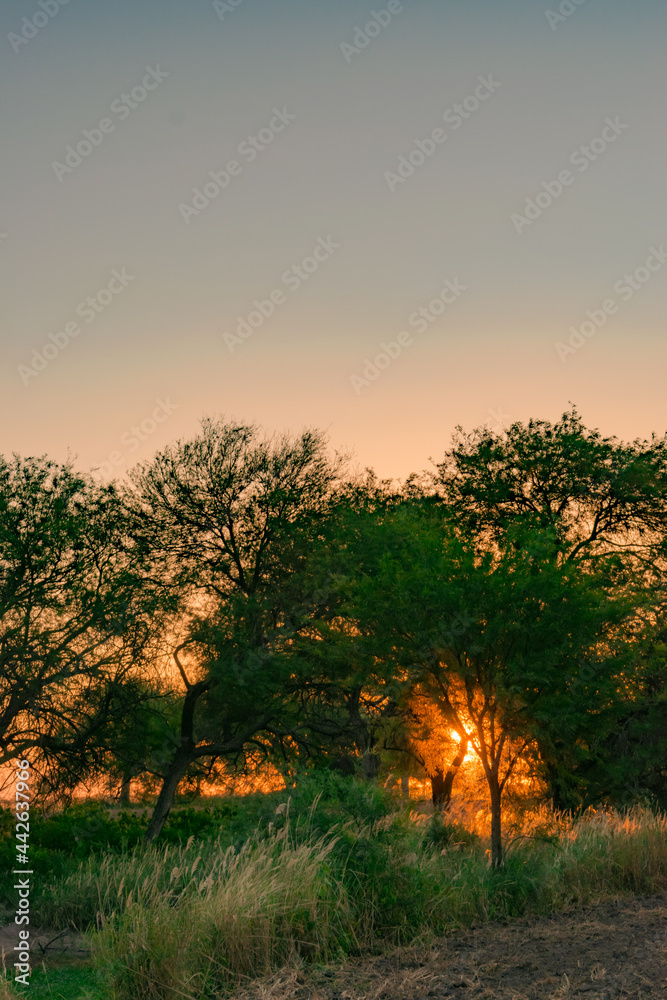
<point>246,598</point>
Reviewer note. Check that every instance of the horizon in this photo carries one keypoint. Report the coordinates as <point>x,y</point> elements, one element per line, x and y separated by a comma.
<point>116,466</point>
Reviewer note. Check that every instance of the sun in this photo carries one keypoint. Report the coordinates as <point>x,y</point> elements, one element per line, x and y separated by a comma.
<point>470,753</point>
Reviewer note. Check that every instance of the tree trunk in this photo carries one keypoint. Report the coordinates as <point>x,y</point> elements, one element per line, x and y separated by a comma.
<point>370,765</point>
<point>438,789</point>
<point>180,762</point>
<point>496,831</point>
<point>405,786</point>
<point>442,784</point>
<point>560,790</point>
<point>344,764</point>
<point>179,766</point>
<point>124,797</point>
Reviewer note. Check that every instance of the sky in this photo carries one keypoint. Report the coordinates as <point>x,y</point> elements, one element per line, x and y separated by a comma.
<point>382,220</point>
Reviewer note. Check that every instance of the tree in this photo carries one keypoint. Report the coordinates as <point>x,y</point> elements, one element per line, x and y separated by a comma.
<point>512,646</point>
<point>440,749</point>
<point>77,620</point>
<point>233,517</point>
<point>628,762</point>
<point>594,493</point>
<point>605,502</point>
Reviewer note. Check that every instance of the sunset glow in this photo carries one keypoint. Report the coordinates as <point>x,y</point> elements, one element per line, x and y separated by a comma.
<point>333,499</point>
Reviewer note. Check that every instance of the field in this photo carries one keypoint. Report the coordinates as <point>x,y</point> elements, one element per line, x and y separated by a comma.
<point>347,893</point>
<point>615,949</point>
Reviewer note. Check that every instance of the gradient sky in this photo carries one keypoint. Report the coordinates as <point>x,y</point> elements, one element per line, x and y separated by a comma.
<point>490,357</point>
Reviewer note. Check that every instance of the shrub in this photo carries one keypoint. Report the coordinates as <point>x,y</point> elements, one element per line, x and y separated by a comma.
<point>441,833</point>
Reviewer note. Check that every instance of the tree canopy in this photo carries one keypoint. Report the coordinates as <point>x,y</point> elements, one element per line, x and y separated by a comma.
<point>247,596</point>
<point>78,616</point>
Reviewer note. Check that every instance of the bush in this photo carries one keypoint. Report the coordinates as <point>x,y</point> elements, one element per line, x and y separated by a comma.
<point>331,799</point>
<point>443,834</point>
<point>60,841</point>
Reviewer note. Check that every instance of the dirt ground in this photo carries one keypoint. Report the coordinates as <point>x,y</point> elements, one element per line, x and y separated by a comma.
<point>53,947</point>
<point>616,950</point>
<point>611,951</point>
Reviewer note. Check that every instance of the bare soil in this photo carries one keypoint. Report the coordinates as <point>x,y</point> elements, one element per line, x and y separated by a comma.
<point>49,946</point>
<point>616,950</point>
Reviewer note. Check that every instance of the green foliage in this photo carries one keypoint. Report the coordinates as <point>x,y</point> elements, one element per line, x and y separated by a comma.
<point>208,915</point>
<point>330,799</point>
<point>605,504</point>
<point>512,645</point>
<point>233,820</point>
<point>442,834</point>
<point>589,489</point>
<point>73,983</point>
<point>233,516</point>
<point>203,918</point>
<point>7,824</point>
<point>78,619</point>
<point>60,841</point>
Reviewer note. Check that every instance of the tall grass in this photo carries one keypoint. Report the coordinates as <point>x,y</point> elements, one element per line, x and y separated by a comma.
<point>611,852</point>
<point>240,915</point>
<point>192,921</point>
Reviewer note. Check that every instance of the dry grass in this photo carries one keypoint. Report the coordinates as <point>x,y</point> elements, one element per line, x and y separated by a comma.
<point>250,912</point>
<point>363,982</point>
<point>615,948</point>
<point>196,921</point>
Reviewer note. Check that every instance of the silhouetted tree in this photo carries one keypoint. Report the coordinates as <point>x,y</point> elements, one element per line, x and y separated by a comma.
<point>507,641</point>
<point>233,517</point>
<point>605,502</point>
<point>78,621</point>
